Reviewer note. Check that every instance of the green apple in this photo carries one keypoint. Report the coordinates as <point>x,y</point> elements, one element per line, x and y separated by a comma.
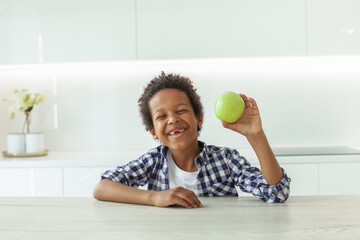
<point>229,107</point>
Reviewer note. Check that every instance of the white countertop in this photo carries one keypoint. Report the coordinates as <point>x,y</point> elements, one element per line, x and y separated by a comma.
<point>305,217</point>
<point>112,159</point>
<point>72,159</point>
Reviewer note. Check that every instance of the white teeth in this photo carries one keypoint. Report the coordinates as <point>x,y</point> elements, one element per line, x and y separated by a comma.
<point>174,132</point>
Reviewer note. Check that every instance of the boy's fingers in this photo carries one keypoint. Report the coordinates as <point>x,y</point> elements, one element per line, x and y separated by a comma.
<point>253,103</point>
<point>248,104</point>
<point>190,197</point>
<point>227,125</point>
<point>182,202</point>
<point>243,96</point>
<point>195,199</point>
<point>190,200</point>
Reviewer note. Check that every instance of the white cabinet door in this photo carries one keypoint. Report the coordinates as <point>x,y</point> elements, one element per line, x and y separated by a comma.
<point>304,178</point>
<point>339,178</point>
<point>40,182</point>
<point>208,28</point>
<point>80,182</point>
<point>66,31</point>
<point>332,27</point>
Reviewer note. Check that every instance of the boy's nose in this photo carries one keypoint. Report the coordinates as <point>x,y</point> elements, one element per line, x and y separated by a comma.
<point>173,118</point>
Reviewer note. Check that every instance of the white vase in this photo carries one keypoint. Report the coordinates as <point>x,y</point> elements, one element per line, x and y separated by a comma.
<point>34,142</point>
<point>16,143</point>
<point>25,143</point>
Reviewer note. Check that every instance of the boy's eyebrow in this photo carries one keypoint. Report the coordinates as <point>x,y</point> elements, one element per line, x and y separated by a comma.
<point>160,109</point>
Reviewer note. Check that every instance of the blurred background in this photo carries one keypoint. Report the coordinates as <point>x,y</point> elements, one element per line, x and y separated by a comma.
<point>298,58</point>
<point>93,58</point>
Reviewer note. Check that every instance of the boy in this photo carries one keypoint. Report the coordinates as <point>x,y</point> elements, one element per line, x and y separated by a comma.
<point>183,168</point>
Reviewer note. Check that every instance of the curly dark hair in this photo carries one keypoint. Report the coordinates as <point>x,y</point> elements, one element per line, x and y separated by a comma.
<point>164,81</point>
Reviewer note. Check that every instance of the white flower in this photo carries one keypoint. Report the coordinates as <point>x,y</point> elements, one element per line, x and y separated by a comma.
<point>23,101</point>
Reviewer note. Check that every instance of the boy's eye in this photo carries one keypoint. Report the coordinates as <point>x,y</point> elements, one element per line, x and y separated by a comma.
<point>182,111</point>
<point>160,117</point>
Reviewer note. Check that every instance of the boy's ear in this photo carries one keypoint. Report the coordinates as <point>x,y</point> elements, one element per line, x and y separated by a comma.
<point>199,121</point>
<point>152,132</point>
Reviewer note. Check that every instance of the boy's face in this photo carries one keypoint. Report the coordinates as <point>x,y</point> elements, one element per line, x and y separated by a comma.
<point>174,120</point>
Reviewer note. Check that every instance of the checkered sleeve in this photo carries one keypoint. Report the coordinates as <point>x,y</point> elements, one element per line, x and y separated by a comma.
<point>134,174</point>
<point>251,180</point>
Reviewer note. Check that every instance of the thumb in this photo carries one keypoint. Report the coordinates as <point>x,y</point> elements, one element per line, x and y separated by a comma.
<point>226,124</point>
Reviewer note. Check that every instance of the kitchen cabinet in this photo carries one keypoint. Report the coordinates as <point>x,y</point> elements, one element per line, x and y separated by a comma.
<point>74,174</point>
<point>339,178</point>
<point>82,31</point>
<point>80,182</point>
<point>66,31</point>
<point>209,29</point>
<point>41,182</point>
<point>332,27</point>
<point>304,179</point>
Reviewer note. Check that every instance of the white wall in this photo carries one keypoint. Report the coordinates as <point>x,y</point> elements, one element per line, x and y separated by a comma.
<point>55,31</point>
<point>304,101</point>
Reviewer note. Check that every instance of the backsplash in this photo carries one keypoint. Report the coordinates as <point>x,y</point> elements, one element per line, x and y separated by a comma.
<point>303,101</point>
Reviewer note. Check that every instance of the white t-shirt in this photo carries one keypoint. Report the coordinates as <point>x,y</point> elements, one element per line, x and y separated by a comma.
<point>181,178</point>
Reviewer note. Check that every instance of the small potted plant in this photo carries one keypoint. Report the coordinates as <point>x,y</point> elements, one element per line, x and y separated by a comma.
<point>27,142</point>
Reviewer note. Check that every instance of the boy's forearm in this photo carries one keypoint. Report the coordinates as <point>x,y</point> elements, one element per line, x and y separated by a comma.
<point>107,190</point>
<point>269,166</point>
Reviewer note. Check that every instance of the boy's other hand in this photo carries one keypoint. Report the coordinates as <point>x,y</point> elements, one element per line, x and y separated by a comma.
<point>250,122</point>
<point>176,196</point>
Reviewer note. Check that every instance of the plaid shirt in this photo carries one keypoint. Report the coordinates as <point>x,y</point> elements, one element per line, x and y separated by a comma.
<point>220,170</point>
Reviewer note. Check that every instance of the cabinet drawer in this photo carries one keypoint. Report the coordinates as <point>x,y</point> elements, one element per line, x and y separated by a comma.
<point>28,182</point>
<point>80,182</point>
<point>304,178</point>
<point>339,178</point>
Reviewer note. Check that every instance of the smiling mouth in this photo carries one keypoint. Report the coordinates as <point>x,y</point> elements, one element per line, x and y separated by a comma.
<point>176,132</point>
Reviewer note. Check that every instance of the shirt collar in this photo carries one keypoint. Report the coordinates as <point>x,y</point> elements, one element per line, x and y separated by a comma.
<point>202,157</point>
<point>199,159</point>
<point>163,150</point>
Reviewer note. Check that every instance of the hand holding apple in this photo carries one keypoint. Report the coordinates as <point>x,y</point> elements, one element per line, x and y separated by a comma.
<point>249,122</point>
<point>229,107</point>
